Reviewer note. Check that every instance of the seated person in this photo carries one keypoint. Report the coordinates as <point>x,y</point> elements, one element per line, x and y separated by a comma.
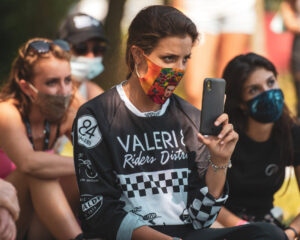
<point>37,105</point>
<point>138,151</point>
<point>88,45</point>
<point>269,141</point>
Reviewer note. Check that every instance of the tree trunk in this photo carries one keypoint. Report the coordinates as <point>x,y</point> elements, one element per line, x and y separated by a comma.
<point>114,59</point>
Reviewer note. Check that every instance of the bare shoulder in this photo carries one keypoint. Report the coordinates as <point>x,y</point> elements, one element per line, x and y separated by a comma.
<point>9,114</point>
<point>93,89</point>
<point>11,124</point>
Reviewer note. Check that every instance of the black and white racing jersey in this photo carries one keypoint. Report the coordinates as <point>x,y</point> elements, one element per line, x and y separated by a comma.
<point>136,168</point>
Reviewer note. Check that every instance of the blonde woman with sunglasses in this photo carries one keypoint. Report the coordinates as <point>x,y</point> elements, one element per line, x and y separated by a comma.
<point>37,106</point>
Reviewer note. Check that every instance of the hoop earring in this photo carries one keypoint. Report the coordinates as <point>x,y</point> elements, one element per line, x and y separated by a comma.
<point>136,71</point>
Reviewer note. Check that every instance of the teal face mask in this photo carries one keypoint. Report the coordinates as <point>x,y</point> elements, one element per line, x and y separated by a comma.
<point>84,68</point>
<point>266,107</point>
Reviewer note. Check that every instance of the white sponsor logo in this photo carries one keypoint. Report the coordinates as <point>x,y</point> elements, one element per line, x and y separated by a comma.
<point>84,21</point>
<point>137,148</point>
<point>90,205</point>
<point>88,131</point>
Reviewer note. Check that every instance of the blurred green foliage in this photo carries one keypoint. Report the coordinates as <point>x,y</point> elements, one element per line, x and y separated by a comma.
<point>25,19</point>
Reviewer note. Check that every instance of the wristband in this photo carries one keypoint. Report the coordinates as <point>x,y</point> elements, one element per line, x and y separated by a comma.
<point>241,222</point>
<point>176,238</point>
<point>294,230</point>
<point>216,167</point>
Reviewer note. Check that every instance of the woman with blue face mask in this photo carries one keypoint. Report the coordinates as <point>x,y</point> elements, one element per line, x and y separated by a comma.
<point>269,141</point>
<point>88,45</point>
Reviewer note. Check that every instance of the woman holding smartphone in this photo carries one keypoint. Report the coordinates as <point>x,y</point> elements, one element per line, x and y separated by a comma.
<point>269,141</point>
<point>151,175</point>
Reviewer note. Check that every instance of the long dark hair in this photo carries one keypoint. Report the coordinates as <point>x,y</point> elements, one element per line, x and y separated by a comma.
<point>236,74</point>
<point>154,23</point>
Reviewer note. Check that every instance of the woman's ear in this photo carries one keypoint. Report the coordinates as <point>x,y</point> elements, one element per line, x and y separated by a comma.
<point>137,54</point>
<point>25,87</point>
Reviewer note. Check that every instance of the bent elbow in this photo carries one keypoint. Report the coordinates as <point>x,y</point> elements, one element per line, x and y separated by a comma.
<point>27,166</point>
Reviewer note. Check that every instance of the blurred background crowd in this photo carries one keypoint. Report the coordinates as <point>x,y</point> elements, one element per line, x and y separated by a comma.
<point>22,20</point>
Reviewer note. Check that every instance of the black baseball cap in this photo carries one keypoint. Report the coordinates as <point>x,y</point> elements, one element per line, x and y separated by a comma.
<point>80,27</point>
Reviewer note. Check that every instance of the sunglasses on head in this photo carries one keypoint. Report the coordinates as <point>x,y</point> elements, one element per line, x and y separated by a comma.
<point>83,49</point>
<point>41,46</point>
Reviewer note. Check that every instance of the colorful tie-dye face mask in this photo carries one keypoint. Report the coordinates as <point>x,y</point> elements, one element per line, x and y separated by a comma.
<point>159,83</point>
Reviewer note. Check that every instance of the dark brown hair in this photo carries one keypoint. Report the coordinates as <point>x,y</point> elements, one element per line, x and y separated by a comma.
<point>22,68</point>
<point>154,23</point>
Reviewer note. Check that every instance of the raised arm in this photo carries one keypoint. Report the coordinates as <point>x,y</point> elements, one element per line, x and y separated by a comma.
<point>221,149</point>
<point>212,186</point>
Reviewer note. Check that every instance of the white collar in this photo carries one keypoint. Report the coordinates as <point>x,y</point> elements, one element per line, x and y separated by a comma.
<point>134,110</point>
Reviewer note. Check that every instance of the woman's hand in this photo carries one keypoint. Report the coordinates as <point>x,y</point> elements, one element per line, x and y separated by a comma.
<point>7,225</point>
<point>290,234</point>
<point>221,146</point>
<point>8,198</point>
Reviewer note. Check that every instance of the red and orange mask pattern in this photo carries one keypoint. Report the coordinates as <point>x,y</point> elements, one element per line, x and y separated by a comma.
<point>159,83</point>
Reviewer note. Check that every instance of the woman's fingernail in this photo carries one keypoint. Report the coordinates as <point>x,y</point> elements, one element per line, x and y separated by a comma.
<point>220,136</point>
<point>216,122</point>
<point>206,136</point>
<point>221,142</point>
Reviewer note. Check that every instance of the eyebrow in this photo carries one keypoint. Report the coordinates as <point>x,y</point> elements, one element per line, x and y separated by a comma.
<point>52,79</point>
<point>168,54</point>
<point>57,78</point>
<point>256,84</point>
<point>173,55</point>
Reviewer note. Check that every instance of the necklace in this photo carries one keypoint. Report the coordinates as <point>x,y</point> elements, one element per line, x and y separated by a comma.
<point>46,132</point>
<point>41,135</point>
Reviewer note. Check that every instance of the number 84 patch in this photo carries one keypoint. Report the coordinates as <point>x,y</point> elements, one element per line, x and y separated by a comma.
<point>88,131</point>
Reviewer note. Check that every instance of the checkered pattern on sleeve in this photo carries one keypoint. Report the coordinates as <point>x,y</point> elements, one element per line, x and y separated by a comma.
<point>204,209</point>
<point>162,182</point>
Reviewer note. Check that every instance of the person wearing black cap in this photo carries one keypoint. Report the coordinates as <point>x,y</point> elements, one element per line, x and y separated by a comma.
<point>88,44</point>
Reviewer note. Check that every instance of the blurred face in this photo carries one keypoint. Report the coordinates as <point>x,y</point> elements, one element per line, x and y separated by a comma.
<point>259,81</point>
<point>90,48</point>
<point>53,76</point>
